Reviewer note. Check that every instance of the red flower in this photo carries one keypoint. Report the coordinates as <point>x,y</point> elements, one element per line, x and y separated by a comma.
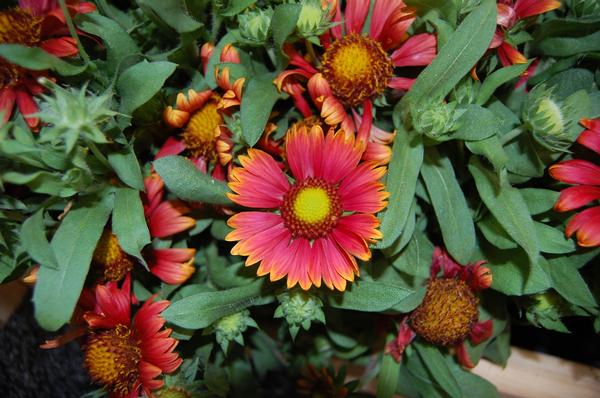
<point>508,15</point>
<point>33,24</point>
<point>586,176</point>
<point>199,115</point>
<point>355,68</point>
<point>125,355</point>
<point>449,312</point>
<point>314,228</point>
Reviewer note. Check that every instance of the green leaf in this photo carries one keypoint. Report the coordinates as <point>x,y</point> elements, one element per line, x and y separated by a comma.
<point>513,273</point>
<point>119,45</point>
<point>127,167</point>
<point>57,290</point>
<point>174,13</point>
<point>476,124</point>
<point>138,83</point>
<point>539,200</point>
<point>407,157</point>
<point>40,182</point>
<point>498,78</point>
<point>260,95</point>
<point>508,206</point>
<point>129,222</point>
<point>416,258</point>
<point>188,183</point>
<point>495,234</point>
<point>553,240</point>
<point>202,309</point>
<point>236,7</point>
<point>37,59</point>
<point>567,281</point>
<point>473,385</point>
<point>370,296</point>
<point>284,21</point>
<point>566,46</point>
<point>438,368</point>
<point>491,149</point>
<point>389,373</point>
<point>33,239</point>
<point>449,204</point>
<point>464,48</point>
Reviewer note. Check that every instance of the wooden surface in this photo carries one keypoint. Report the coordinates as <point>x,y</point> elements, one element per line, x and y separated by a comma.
<point>533,375</point>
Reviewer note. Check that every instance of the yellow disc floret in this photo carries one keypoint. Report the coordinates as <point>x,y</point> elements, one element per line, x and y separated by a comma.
<point>356,68</point>
<point>447,313</point>
<point>17,26</point>
<point>112,358</point>
<point>311,208</point>
<point>114,262</point>
<point>201,133</point>
<point>312,205</point>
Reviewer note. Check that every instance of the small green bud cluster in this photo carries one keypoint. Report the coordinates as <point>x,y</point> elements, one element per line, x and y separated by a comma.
<point>73,114</point>
<point>255,26</point>
<point>231,328</point>
<point>299,308</point>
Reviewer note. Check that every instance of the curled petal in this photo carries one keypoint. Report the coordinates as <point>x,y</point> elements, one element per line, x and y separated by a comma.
<point>7,103</point>
<point>175,118</point>
<point>576,172</point>
<point>482,331</point>
<point>463,356</point>
<point>506,16</point>
<point>318,88</point>
<point>587,227</point>
<point>401,83</point>
<point>510,55</point>
<point>60,47</point>
<point>528,8</point>
<point>332,110</point>
<point>173,266</point>
<point>591,138</point>
<point>572,198</point>
<point>397,346</point>
<point>230,54</point>
<point>418,50</point>
<point>206,52</point>
<point>28,108</point>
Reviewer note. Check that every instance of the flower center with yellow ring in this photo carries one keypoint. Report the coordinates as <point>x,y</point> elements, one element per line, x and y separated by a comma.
<point>202,130</point>
<point>311,208</point>
<point>356,68</point>
<point>17,26</point>
<point>112,358</point>
<point>115,263</point>
<point>447,313</point>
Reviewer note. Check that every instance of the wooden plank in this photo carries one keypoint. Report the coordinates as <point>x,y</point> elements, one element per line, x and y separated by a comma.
<point>530,374</point>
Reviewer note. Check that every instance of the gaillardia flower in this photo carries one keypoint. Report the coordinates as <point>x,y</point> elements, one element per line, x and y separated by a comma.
<point>315,227</point>
<point>33,24</point>
<point>199,116</point>
<point>164,218</point>
<point>586,177</point>
<point>509,12</point>
<point>126,355</point>
<point>449,312</point>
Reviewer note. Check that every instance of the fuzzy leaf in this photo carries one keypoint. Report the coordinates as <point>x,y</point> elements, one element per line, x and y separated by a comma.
<point>37,59</point>
<point>450,205</point>
<point>407,158</point>
<point>129,223</point>
<point>138,84</point>
<point>259,97</point>
<point>127,167</point>
<point>370,296</point>
<point>202,309</point>
<point>57,290</point>
<point>439,369</point>
<point>33,238</point>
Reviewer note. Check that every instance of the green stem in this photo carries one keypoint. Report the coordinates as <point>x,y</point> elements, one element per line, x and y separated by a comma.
<point>311,51</point>
<point>98,154</point>
<point>73,31</point>
<point>506,138</point>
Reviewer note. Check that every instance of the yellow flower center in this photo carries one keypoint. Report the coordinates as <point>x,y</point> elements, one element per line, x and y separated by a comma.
<point>201,133</point>
<point>17,26</point>
<point>356,68</point>
<point>447,313</point>
<point>311,208</point>
<point>312,205</point>
<point>112,357</point>
<point>114,262</point>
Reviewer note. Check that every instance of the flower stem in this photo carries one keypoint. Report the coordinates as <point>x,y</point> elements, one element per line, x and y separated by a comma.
<point>506,138</point>
<point>311,51</point>
<point>73,31</point>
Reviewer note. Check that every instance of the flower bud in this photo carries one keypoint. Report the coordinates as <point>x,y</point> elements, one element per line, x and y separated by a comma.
<point>74,113</point>
<point>314,19</point>
<point>255,25</point>
<point>231,327</point>
<point>299,309</point>
<point>436,119</point>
